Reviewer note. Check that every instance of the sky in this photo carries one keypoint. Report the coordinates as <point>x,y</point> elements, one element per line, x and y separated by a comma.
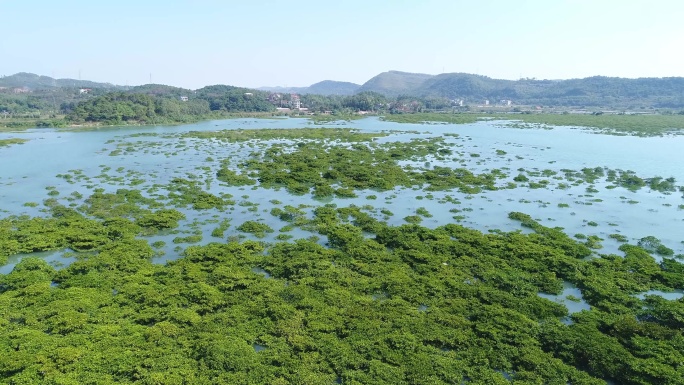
<point>255,43</point>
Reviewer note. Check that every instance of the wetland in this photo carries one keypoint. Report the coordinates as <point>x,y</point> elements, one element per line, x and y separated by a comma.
<point>293,251</point>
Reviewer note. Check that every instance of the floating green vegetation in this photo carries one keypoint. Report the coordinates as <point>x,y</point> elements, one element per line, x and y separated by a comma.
<point>322,119</point>
<point>301,312</point>
<point>183,192</point>
<point>224,174</point>
<point>654,245</point>
<point>414,219</point>
<point>257,228</point>
<point>339,170</point>
<point>641,125</point>
<point>422,211</point>
<point>222,227</point>
<point>617,124</point>
<point>432,117</point>
<point>619,237</point>
<point>12,141</point>
<point>158,244</point>
<point>342,134</point>
<point>188,239</point>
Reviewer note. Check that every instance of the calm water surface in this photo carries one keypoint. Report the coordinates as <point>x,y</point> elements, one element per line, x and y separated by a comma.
<point>27,170</point>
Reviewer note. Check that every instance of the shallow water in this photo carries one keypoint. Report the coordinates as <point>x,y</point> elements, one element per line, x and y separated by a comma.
<point>575,303</point>
<point>113,158</point>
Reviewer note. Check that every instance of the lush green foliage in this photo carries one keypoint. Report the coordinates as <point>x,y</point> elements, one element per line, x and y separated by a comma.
<point>256,228</point>
<point>408,305</point>
<point>366,303</point>
<point>332,169</point>
<point>234,99</point>
<point>119,107</point>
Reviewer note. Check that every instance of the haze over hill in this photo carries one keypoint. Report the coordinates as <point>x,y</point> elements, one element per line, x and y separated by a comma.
<point>326,87</point>
<point>33,81</point>
<point>597,91</point>
<point>475,89</point>
<point>394,83</point>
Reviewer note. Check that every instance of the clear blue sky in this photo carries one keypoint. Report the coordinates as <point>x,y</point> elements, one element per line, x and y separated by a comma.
<point>296,43</point>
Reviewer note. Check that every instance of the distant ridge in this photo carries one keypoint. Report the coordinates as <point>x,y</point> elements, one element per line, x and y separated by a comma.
<point>326,87</point>
<point>592,91</point>
<point>612,92</point>
<point>37,82</point>
<point>394,83</point>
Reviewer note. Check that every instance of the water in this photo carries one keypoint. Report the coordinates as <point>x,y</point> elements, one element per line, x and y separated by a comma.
<point>114,158</point>
<point>571,297</point>
<point>56,259</point>
<point>261,271</point>
<point>670,295</point>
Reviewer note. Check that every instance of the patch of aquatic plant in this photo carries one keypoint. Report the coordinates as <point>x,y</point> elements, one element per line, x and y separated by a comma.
<point>417,118</point>
<point>183,192</point>
<point>12,141</point>
<point>640,125</point>
<point>257,228</point>
<point>619,237</point>
<point>68,228</point>
<point>342,134</point>
<point>654,245</point>
<point>422,211</point>
<point>352,303</point>
<point>338,170</point>
<point>123,203</point>
<point>290,214</point>
<point>323,119</point>
<point>226,175</point>
<point>188,239</point>
<point>222,227</point>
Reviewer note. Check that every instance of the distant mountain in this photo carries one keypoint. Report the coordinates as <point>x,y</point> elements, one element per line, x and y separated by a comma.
<point>330,87</point>
<point>37,82</point>
<point>326,87</point>
<point>160,90</point>
<point>394,83</point>
<point>285,90</point>
<point>592,91</point>
<point>596,91</point>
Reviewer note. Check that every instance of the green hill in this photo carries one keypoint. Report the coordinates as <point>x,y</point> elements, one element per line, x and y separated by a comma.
<point>598,91</point>
<point>331,87</point>
<point>394,83</point>
<point>326,87</point>
<point>37,82</point>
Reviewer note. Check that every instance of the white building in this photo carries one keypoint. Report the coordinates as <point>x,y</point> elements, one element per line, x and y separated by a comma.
<point>295,103</point>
